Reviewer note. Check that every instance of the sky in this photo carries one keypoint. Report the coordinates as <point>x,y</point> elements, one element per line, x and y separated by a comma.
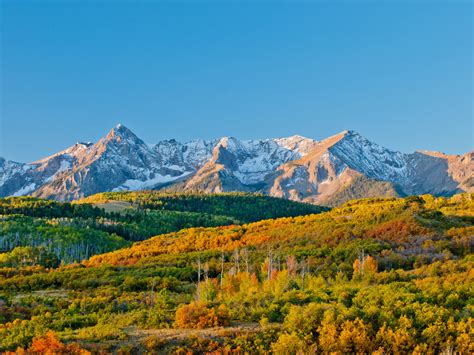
<point>398,72</point>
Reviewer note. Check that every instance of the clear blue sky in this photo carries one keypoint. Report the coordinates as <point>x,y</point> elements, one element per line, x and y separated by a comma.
<point>400,73</point>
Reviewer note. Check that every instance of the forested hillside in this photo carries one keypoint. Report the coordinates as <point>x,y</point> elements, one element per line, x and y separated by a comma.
<point>35,231</point>
<point>245,207</point>
<point>371,276</point>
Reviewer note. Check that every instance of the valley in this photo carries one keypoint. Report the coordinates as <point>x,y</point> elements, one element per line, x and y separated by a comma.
<point>291,178</point>
<point>380,275</point>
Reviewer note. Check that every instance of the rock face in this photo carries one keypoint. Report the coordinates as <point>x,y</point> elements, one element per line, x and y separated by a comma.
<point>331,171</point>
<point>340,163</point>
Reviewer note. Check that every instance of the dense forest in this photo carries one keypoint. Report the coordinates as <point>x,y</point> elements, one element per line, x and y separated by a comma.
<point>35,231</point>
<point>245,207</point>
<point>379,276</point>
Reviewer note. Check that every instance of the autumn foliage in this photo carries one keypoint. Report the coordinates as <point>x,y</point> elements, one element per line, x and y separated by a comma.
<point>199,315</point>
<point>49,344</point>
<point>387,220</point>
<point>365,266</point>
<point>373,276</point>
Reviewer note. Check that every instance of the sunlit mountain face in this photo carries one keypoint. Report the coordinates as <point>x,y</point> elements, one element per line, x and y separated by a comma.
<point>331,171</point>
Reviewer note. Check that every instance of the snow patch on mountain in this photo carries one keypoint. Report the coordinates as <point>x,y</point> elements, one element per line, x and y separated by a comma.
<point>374,160</point>
<point>133,184</point>
<point>253,160</point>
<point>299,144</point>
<point>25,190</point>
<point>293,167</point>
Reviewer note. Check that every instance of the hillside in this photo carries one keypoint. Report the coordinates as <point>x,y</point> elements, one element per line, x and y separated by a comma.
<point>63,232</point>
<point>245,207</point>
<point>338,168</point>
<point>371,276</point>
<point>391,222</point>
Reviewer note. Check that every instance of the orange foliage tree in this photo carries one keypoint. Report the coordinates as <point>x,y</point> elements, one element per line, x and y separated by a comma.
<point>198,315</point>
<point>365,266</point>
<point>49,344</point>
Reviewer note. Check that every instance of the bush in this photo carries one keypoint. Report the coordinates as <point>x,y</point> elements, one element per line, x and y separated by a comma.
<point>50,344</point>
<point>288,344</point>
<point>198,315</point>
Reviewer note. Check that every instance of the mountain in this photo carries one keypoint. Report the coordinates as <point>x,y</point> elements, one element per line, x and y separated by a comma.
<point>348,163</point>
<point>331,171</point>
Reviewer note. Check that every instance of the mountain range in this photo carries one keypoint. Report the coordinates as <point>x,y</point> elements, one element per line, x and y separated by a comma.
<point>328,172</point>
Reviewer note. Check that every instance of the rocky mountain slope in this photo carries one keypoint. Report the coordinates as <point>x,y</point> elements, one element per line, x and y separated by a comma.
<point>331,171</point>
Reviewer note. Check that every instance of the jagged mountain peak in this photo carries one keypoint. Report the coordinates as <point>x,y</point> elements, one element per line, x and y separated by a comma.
<point>300,144</point>
<point>121,141</point>
<point>229,143</point>
<point>349,133</point>
<point>354,145</point>
<point>74,151</point>
<point>343,135</point>
<point>294,167</point>
<point>293,138</point>
<point>120,128</point>
<point>121,132</point>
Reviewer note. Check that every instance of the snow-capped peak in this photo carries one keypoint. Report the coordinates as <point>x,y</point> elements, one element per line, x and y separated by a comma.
<point>295,167</point>
<point>375,161</point>
<point>297,143</point>
<point>229,143</point>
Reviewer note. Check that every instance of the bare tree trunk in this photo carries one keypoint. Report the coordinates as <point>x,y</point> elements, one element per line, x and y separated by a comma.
<point>198,294</point>
<point>245,254</point>
<point>222,267</point>
<point>237,260</point>
<point>270,264</point>
<point>206,279</point>
<point>361,258</point>
<point>303,272</point>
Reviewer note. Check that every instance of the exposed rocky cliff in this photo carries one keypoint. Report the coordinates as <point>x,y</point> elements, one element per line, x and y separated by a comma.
<point>331,171</point>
